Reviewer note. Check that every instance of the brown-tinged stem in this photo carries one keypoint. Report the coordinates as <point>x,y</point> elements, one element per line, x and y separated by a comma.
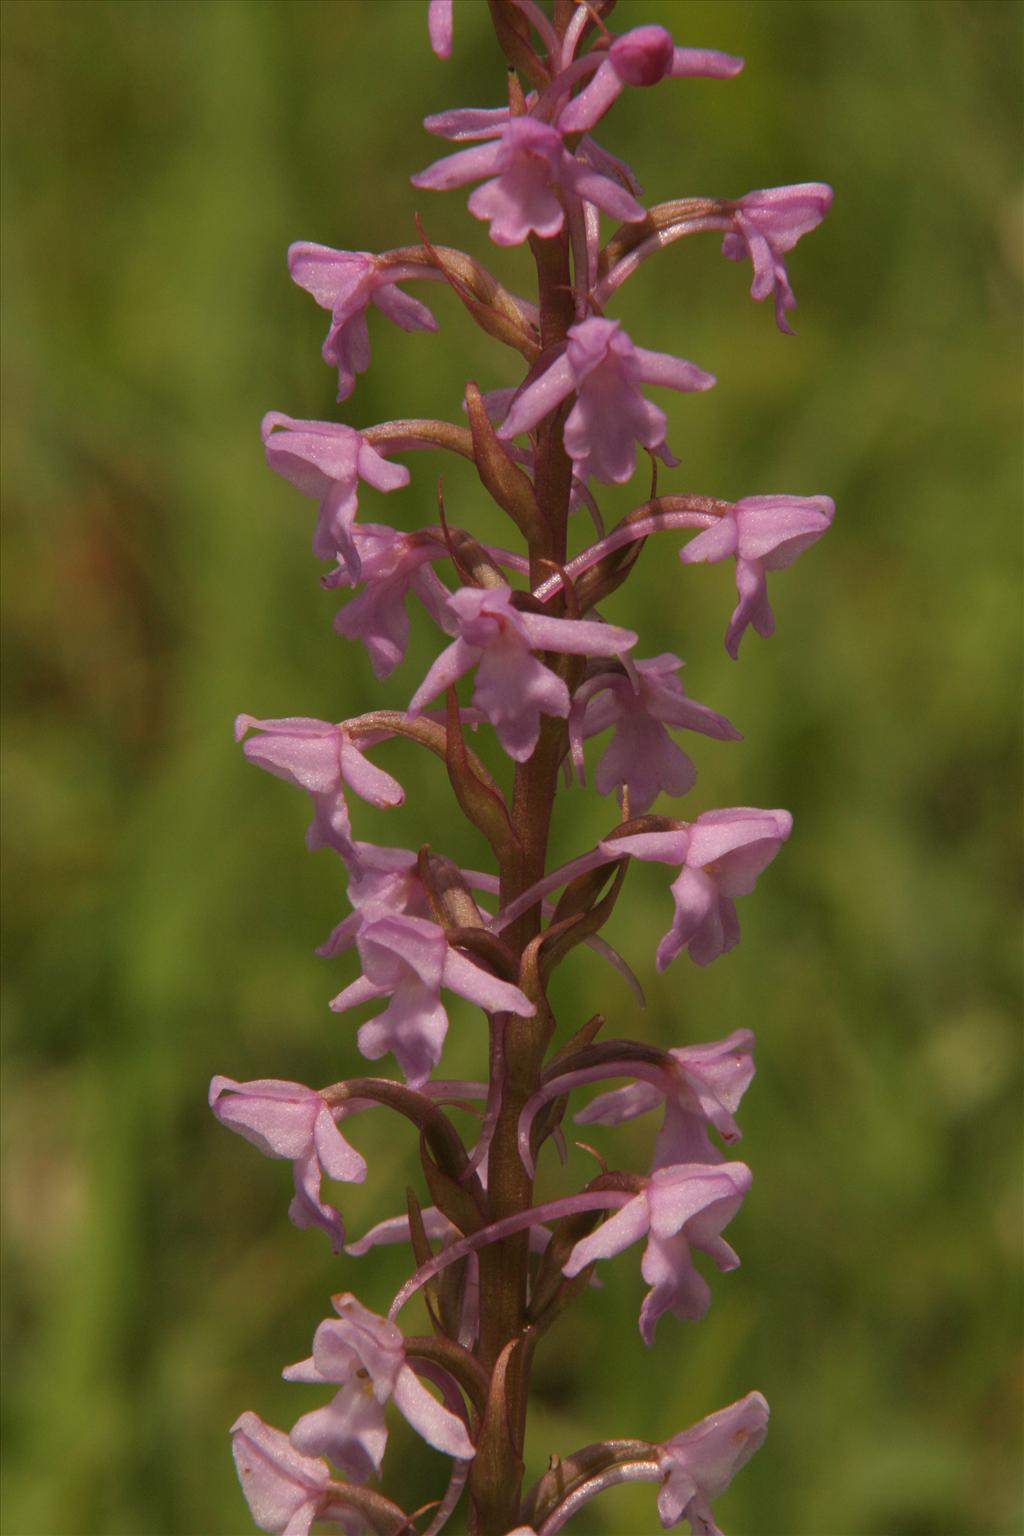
<point>504,1265</point>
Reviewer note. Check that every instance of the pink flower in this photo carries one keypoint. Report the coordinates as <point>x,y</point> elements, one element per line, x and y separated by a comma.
<point>605,370</point>
<point>642,56</point>
<point>513,689</point>
<point>382,882</point>
<point>408,960</point>
<point>367,1354</point>
<point>766,225</point>
<point>700,1463</point>
<point>530,166</point>
<point>319,758</point>
<point>327,460</point>
<point>289,1121</point>
<point>763,533</point>
<point>391,564</point>
<point>721,854</point>
<point>285,1490</point>
<point>642,757</point>
<point>439,24</point>
<point>705,1089</point>
<point>680,1207</point>
<point>346,283</point>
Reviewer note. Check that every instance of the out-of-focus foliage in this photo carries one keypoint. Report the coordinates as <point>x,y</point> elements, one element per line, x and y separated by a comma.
<point>161,908</point>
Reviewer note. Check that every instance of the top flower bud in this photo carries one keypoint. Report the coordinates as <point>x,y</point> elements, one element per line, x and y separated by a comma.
<point>641,57</point>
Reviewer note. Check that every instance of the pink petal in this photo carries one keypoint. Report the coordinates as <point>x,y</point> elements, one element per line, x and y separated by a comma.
<point>678,1196</point>
<point>672,372</point>
<point>696,897</point>
<point>677,1286</point>
<point>513,689</point>
<point>713,544</point>
<point>664,847</point>
<point>351,1430</point>
<point>439,25</point>
<point>705,61</point>
<point>446,670</point>
<point>455,170</point>
<point>310,761</point>
<point>283,1488</point>
<point>337,1158</point>
<point>332,277</point>
<point>369,782</point>
<point>479,986</point>
<point>413,1028</point>
<point>403,310</point>
<point>438,1426</point>
<point>576,637</point>
<point>616,1233</point>
<point>518,203</point>
<point>541,397</point>
<point>593,101</point>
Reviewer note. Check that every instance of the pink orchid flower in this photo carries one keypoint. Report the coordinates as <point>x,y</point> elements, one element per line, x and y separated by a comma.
<point>513,689</point>
<point>762,533</point>
<point>285,1490</point>
<point>706,1088</point>
<point>391,564</point>
<point>408,960</point>
<point>603,367</point>
<point>319,758</point>
<point>289,1121</point>
<point>642,757</point>
<point>721,854</point>
<point>346,283</point>
<point>367,1355</point>
<point>766,225</point>
<point>701,1462</point>
<point>679,1207</point>
<point>530,166</point>
<point>327,460</point>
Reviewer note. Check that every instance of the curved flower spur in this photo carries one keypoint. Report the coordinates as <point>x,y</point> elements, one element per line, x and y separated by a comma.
<point>542,669</point>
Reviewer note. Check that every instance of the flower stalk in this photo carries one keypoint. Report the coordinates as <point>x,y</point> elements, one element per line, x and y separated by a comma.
<point>541,670</point>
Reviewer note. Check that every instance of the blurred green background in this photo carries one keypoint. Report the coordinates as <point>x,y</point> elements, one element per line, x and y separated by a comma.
<point>161,909</point>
